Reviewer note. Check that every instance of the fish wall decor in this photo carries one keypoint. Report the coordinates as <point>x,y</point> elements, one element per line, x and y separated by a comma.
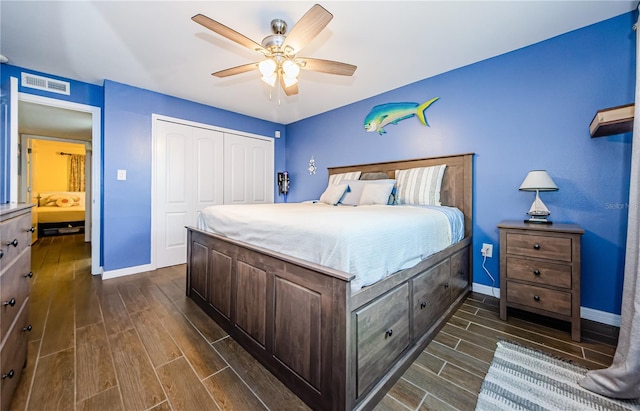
<point>392,113</point>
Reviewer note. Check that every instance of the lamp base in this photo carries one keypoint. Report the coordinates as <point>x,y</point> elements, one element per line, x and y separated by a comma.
<point>538,220</point>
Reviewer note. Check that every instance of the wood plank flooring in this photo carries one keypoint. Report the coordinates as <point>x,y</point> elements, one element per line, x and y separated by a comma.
<point>137,343</point>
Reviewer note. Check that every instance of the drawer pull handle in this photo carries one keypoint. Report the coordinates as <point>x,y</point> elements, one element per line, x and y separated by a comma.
<point>388,333</point>
<point>536,297</point>
<point>461,273</point>
<point>31,230</point>
<point>11,302</point>
<point>446,285</point>
<point>423,305</point>
<point>28,328</point>
<point>536,246</point>
<point>13,243</point>
<point>9,375</point>
<point>1,253</point>
<point>536,272</point>
<point>29,274</point>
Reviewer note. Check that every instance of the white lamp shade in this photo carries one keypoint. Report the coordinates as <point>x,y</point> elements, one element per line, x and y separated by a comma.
<point>290,68</point>
<point>538,180</point>
<point>267,67</point>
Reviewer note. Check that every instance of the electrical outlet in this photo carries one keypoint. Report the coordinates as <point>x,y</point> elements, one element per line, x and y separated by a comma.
<point>487,250</point>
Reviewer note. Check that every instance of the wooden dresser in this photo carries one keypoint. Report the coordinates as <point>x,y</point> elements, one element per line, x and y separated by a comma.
<point>15,272</point>
<point>540,270</point>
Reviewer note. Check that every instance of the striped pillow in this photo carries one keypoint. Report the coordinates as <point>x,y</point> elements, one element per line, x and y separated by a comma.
<point>419,186</point>
<point>337,178</point>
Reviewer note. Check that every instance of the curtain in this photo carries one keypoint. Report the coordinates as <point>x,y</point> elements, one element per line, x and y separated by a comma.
<point>76,172</point>
<point>622,378</point>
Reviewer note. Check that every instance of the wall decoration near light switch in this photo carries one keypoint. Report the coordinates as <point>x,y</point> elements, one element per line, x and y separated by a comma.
<point>122,175</point>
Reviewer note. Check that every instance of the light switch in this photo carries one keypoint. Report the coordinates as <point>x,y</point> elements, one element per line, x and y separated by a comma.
<point>122,174</point>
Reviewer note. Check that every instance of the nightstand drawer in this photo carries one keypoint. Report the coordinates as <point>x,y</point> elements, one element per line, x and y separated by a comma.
<point>539,272</point>
<point>539,297</point>
<point>539,246</point>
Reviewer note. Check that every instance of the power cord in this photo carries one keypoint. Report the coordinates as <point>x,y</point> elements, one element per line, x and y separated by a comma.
<point>493,280</point>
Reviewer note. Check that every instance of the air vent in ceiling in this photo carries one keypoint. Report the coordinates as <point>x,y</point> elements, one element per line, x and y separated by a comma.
<point>46,84</point>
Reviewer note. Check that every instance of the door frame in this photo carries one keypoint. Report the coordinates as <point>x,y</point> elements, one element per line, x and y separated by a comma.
<point>96,168</point>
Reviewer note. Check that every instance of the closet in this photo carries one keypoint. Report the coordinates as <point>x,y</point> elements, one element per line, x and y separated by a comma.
<point>197,166</point>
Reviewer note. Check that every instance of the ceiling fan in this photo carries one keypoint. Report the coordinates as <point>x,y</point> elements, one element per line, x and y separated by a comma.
<point>280,50</point>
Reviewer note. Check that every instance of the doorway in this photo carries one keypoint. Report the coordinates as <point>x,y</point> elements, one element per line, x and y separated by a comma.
<point>57,119</point>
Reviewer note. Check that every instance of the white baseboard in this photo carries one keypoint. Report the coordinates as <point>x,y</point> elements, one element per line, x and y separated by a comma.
<point>586,313</point>
<point>126,271</point>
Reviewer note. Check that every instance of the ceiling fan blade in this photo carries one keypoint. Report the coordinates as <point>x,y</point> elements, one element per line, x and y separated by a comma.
<point>231,34</point>
<point>235,70</point>
<point>289,91</point>
<point>307,28</point>
<point>327,66</point>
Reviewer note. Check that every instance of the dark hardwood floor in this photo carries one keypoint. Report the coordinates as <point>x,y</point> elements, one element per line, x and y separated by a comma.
<point>137,343</point>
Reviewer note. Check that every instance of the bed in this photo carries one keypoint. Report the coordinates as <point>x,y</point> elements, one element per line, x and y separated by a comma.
<point>60,212</point>
<point>336,345</point>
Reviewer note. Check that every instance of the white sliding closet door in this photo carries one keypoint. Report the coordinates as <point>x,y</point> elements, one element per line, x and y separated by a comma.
<point>249,169</point>
<point>189,176</point>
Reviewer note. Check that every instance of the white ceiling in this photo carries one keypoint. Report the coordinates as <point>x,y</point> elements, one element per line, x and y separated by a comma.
<point>155,45</point>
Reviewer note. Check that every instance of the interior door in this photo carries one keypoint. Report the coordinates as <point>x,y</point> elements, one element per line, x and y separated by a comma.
<point>189,176</point>
<point>249,169</point>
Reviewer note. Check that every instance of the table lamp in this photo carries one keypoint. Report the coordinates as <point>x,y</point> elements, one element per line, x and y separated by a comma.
<point>538,180</point>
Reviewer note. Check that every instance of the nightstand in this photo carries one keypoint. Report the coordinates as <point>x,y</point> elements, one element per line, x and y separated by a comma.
<point>540,270</point>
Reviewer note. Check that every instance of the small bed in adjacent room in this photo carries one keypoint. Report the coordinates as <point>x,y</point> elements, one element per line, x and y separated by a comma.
<point>60,212</point>
<point>337,297</point>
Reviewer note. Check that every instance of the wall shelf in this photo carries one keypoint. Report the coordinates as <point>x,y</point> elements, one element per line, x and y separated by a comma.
<point>613,120</point>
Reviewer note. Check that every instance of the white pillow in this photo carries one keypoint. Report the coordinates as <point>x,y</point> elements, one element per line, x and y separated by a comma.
<point>352,196</point>
<point>333,193</point>
<point>337,178</point>
<point>419,186</point>
<point>376,193</point>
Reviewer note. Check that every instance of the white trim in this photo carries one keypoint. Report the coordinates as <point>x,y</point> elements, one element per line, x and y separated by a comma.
<point>600,316</point>
<point>155,117</point>
<point>96,174</point>
<point>126,271</point>
<point>585,312</point>
<point>13,140</point>
<point>486,290</point>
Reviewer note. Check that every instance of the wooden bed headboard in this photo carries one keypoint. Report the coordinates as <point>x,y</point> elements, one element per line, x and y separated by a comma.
<point>457,183</point>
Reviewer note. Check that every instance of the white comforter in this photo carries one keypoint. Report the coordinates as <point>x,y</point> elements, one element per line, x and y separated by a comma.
<point>370,242</point>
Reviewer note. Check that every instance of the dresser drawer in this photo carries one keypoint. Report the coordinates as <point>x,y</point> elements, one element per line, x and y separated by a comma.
<point>539,272</point>
<point>13,357</point>
<point>14,290</point>
<point>539,246</point>
<point>431,296</point>
<point>382,335</point>
<point>14,231</point>
<point>538,297</point>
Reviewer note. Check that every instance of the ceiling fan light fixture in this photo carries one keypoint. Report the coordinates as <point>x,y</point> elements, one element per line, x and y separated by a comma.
<point>289,81</point>
<point>290,68</point>
<point>267,67</point>
<point>270,79</point>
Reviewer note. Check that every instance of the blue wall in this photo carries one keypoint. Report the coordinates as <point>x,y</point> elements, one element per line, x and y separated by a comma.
<point>528,109</point>
<point>127,145</point>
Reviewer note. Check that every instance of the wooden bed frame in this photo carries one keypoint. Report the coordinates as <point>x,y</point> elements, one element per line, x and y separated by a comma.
<point>334,348</point>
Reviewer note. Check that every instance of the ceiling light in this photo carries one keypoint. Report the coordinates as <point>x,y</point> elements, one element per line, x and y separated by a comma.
<point>270,79</point>
<point>267,67</point>
<point>289,81</point>
<point>290,68</point>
